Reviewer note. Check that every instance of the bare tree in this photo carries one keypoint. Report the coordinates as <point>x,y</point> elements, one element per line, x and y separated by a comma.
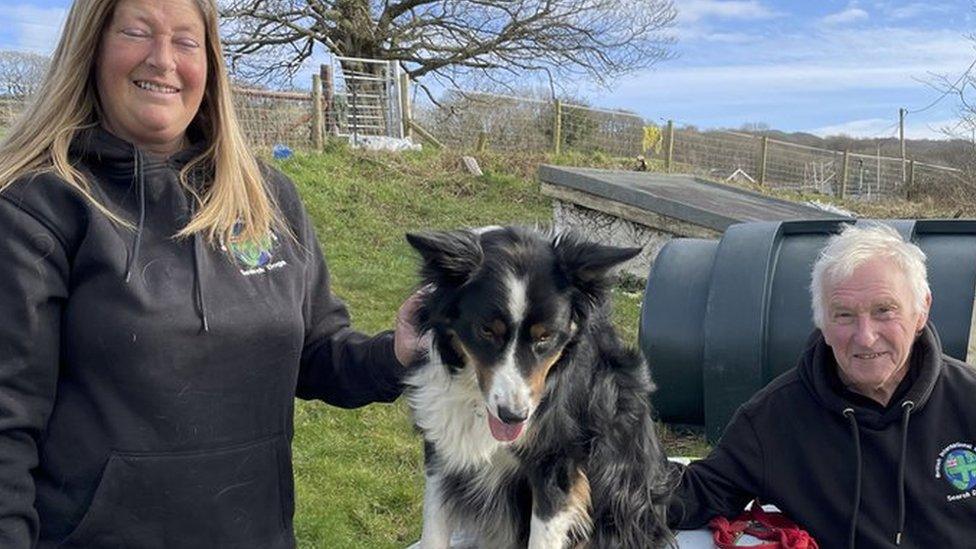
<point>21,73</point>
<point>504,40</point>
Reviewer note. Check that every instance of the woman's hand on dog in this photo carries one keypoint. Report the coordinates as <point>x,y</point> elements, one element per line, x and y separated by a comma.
<point>407,341</point>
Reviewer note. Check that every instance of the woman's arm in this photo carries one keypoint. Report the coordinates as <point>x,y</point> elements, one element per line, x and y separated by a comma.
<point>33,289</point>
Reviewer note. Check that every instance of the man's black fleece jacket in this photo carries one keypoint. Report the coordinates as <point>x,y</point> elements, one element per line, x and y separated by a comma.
<point>912,463</point>
<point>147,383</point>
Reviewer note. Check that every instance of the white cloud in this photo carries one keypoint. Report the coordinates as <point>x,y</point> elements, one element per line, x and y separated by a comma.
<point>695,10</point>
<point>881,127</point>
<point>849,15</point>
<point>29,28</point>
<point>909,11</point>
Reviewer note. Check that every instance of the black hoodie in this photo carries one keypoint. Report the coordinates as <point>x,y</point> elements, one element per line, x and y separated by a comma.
<point>834,461</point>
<point>147,383</point>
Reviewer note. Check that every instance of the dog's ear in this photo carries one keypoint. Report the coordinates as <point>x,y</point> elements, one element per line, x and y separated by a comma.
<point>450,257</point>
<point>586,262</point>
<point>587,265</point>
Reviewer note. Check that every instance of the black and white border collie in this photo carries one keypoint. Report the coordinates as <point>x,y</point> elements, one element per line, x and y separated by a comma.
<point>536,420</point>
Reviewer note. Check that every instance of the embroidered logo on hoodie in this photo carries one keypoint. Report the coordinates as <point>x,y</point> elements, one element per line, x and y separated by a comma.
<point>255,257</point>
<point>957,465</point>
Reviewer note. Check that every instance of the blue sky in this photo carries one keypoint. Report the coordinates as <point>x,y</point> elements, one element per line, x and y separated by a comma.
<point>820,66</point>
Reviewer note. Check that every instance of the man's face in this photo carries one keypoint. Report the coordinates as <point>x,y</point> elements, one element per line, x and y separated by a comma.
<point>871,324</point>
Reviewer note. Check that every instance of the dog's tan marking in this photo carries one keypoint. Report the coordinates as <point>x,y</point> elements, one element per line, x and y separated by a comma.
<point>579,503</point>
<point>538,331</point>
<point>484,374</point>
<point>537,380</point>
<point>498,328</point>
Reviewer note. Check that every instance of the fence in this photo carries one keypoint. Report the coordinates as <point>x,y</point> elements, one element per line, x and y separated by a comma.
<point>469,120</point>
<point>361,97</point>
<point>783,165</point>
<point>478,121</point>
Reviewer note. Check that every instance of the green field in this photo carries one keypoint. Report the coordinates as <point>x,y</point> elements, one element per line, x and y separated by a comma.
<point>358,473</point>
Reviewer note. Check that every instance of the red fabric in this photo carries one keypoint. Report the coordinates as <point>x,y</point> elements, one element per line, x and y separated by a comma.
<point>779,531</point>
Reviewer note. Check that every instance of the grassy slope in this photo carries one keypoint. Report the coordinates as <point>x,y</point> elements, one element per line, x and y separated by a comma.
<point>358,472</point>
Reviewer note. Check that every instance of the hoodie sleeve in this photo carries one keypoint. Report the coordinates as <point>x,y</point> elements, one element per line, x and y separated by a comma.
<point>339,365</point>
<point>722,483</point>
<point>33,288</point>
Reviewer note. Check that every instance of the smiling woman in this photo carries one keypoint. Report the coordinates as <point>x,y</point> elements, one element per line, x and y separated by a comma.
<point>152,70</point>
<point>164,301</point>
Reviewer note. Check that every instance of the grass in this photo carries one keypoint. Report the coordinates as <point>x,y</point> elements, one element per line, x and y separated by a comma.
<point>358,473</point>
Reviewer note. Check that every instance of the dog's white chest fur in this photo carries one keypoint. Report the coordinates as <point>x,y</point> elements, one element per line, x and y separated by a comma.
<point>450,410</point>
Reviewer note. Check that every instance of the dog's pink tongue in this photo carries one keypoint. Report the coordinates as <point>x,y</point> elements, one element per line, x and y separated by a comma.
<point>502,431</point>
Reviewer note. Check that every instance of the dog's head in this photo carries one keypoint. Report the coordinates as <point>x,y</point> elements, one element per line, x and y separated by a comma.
<point>506,302</point>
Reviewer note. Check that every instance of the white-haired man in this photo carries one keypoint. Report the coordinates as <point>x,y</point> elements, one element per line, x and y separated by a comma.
<point>869,441</point>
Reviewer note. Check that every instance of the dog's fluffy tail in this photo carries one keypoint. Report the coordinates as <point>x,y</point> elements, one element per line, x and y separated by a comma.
<point>631,480</point>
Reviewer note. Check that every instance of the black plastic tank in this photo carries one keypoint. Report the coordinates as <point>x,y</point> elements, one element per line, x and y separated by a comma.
<point>721,318</point>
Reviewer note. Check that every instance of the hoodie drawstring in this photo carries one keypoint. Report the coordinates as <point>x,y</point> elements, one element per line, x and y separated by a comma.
<point>907,406</point>
<point>849,414</point>
<point>140,179</point>
<point>139,176</point>
<point>197,279</point>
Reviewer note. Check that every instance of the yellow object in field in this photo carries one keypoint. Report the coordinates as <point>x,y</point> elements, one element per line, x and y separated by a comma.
<point>652,139</point>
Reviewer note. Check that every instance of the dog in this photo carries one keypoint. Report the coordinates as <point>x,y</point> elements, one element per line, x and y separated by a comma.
<point>536,420</point>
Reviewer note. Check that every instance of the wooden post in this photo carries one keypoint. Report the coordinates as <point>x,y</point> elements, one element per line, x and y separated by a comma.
<point>429,137</point>
<point>669,153</point>
<point>317,126</point>
<point>762,161</point>
<point>911,179</point>
<point>557,128</point>
<point>482,141</point>
<point>405,114</point>
<point>901,137</point>
<point>328,91</point>
<point>842,190</point>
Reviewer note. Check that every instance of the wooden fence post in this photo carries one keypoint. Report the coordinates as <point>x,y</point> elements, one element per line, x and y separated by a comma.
<point>317,122</point>
<point>670,150</point>
<point>557,128</point>
<point>762,161</point>
<point>842,189</point>
<point>910,188</point>
<point>328,90</point>
<point>405,114</point>
<point>482,141</point>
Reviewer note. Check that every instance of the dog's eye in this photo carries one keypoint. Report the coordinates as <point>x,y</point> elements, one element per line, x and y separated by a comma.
<point>486,332</point>
<point>542,339</point>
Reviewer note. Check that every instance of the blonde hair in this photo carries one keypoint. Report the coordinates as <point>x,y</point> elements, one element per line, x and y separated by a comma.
<point>67,103</point>
<point>857,245</point>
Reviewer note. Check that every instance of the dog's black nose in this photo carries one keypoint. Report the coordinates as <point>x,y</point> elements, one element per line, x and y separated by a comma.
<point>510,416</point>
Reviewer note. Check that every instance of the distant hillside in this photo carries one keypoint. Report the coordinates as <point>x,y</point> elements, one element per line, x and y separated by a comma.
<point>956,153</point>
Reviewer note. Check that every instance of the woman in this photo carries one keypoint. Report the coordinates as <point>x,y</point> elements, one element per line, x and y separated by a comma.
<point>164,301</point>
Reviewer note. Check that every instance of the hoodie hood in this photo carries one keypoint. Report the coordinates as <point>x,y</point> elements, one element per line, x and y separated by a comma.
<point>817,365</point>
<point>129,169</point>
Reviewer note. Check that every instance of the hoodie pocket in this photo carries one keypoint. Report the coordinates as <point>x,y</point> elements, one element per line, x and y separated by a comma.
<point>229,497</point>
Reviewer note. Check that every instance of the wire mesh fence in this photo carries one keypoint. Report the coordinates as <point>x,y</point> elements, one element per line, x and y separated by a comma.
<point>271,118</point>
<point>747,158</point>
<point>478,121</point>
<point>360,97</point>
<point>470,120</point>
<point>10,109</point>
<point>587,129</point>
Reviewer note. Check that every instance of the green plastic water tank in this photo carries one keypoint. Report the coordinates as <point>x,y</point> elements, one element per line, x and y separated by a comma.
<point>721,318</point>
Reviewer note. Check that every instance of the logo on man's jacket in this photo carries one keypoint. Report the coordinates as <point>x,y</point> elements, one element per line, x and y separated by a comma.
<point>255,257</point>
<point>957,465</point>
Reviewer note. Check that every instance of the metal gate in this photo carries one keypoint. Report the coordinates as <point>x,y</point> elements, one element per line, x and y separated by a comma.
<point>367,98</point>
